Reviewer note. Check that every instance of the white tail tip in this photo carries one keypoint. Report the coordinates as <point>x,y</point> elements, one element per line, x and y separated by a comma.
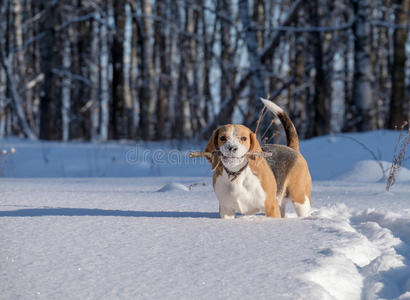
<point>272,106</point>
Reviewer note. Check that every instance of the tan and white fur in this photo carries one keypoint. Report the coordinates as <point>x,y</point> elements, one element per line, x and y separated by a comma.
<point>252,184</point>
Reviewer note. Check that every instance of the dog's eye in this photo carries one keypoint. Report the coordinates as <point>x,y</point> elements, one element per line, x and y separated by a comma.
<point>222,138</point>
<point>243,138</point>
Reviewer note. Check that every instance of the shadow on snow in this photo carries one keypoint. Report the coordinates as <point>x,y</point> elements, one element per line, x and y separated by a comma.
<point>78,212</point>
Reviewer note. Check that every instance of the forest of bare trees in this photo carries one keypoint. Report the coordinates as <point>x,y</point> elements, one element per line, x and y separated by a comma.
<point>175,69</point>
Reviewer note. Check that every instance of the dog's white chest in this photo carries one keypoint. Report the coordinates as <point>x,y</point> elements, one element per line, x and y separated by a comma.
<point>244,195</point>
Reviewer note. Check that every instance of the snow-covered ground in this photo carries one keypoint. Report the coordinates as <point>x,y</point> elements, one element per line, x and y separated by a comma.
<point>137,235</point>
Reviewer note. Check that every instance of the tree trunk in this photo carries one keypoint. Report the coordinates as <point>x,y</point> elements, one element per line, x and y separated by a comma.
<point>94,78</point>
<point>193,71</point>
<point>161,49</point>
<point>364,114</point>
<point>257,77</point>
<point>147,95</point>
<point>227,60</point>
<point>66,89</point>
<point>104,92</point>
<point>259,19</point>
<point>46,96</point>
<point>397,114</point>
<point>207,66</point>
<point>298,106</point>
<point>21,63</point>
<point>320,124</point>
<point>117,52</point>
<point>129,124</point>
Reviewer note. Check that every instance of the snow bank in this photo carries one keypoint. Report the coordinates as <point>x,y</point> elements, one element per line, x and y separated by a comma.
<point>330,157</point>
<point>173,186</point>
<point>371,171</point>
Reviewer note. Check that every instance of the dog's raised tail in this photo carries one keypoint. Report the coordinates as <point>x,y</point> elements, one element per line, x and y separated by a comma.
<point>291,134</point>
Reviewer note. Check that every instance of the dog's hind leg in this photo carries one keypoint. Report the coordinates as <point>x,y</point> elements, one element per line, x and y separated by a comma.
<point>282,206</point>
<point>301,204</point>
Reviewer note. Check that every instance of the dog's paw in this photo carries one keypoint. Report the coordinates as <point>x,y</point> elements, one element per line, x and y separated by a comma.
<point>227,217</point>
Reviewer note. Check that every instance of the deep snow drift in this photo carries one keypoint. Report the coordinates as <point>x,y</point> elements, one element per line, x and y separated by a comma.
<point>161,238</point>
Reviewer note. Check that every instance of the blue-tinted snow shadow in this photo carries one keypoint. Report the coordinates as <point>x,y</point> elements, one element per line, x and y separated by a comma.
<point>78,212</point>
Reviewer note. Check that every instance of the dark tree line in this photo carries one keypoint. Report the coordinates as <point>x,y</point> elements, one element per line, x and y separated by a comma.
<point>164,69</point>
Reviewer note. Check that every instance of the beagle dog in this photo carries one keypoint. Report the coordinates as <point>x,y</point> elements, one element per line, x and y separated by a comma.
<point>255,184</point>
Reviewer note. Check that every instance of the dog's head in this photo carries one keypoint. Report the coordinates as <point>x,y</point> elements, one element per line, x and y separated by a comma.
<point>234,141</point>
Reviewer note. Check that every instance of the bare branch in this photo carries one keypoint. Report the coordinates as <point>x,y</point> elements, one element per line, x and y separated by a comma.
<point>71,75</point>
<point>398,158</point>
<point>389,25</point>
<point>375,157</point>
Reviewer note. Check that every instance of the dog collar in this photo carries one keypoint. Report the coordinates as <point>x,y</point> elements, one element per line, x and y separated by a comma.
<point>236,173</point>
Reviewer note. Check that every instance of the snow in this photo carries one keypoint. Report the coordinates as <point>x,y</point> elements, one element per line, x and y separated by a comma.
<point>371,171</point>
<point>173,186</point>
<point>137,235</point>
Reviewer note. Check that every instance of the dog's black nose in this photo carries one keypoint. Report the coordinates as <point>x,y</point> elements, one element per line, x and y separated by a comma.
<point>233,148</point>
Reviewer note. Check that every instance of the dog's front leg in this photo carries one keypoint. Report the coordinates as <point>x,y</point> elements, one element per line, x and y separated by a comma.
<point>226,213</point>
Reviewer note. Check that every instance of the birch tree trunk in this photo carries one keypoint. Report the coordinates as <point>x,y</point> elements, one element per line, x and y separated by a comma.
<point>94,78</point>
<point>21,64</point>
<point>105,95</point>
<point>397,114</point>
<point>66,90</point>
<point>129,126</point>
<point>2,103</point>
<point>207,64</point>
<point>135,73</point>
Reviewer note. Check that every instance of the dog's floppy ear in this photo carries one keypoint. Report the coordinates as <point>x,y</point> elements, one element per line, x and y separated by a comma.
<point>254,161</point>
<point>254,147</point>
<point>211,147</point>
